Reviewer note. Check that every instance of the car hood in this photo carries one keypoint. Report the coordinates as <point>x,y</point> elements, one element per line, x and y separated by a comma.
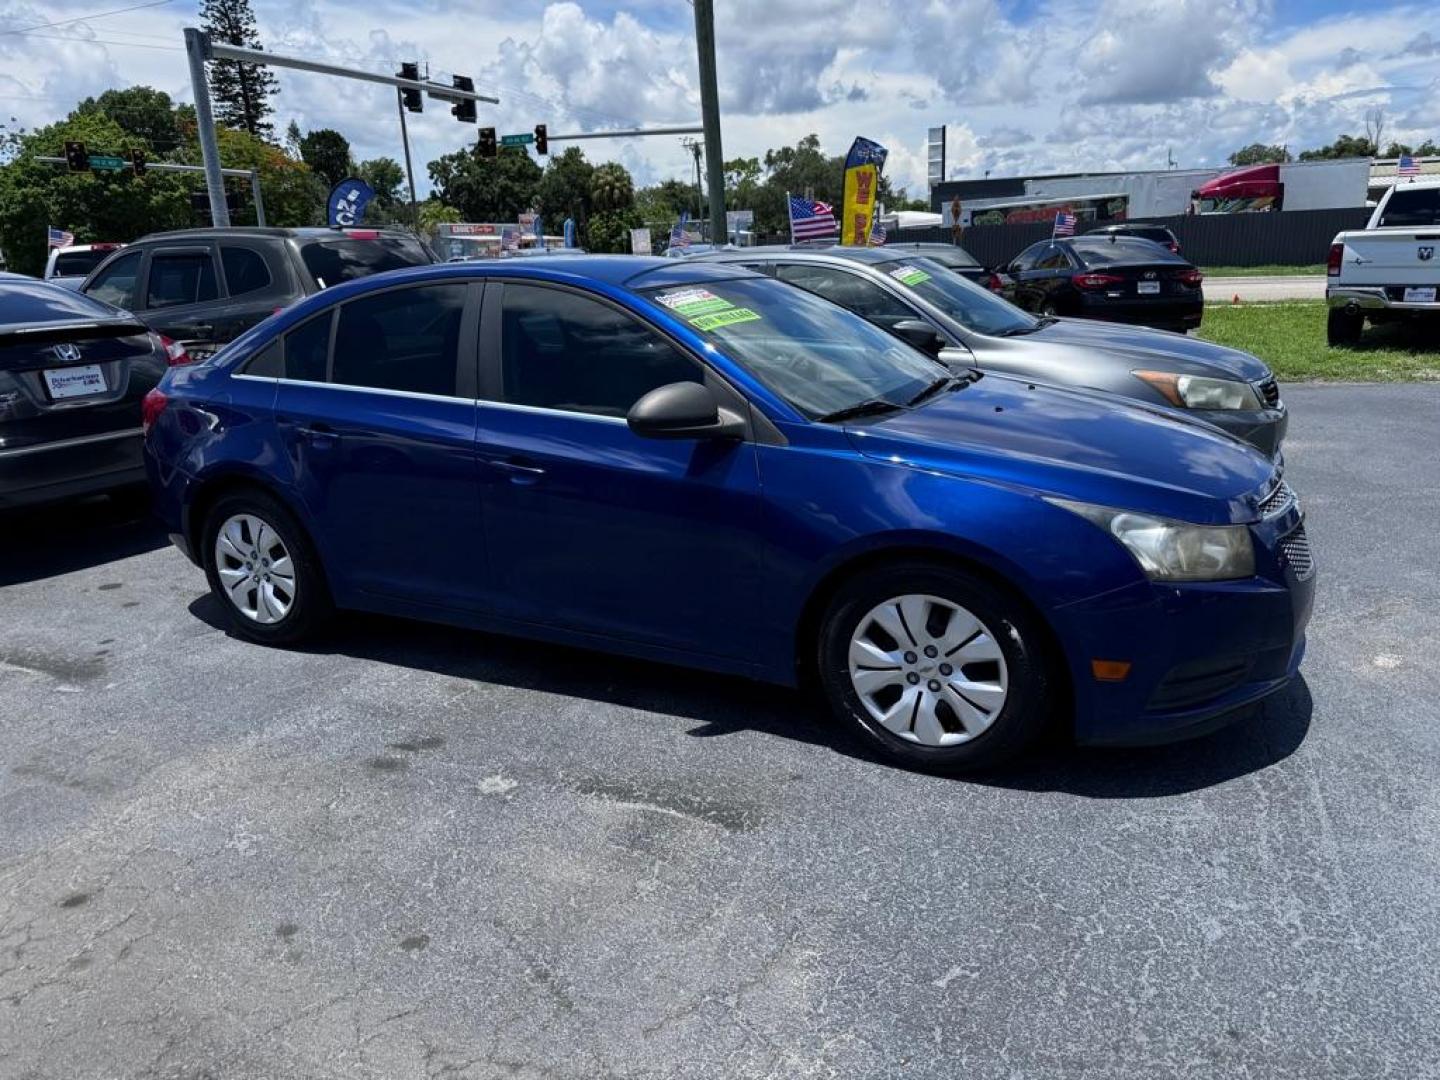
<point>1144,349</point>
<point>1076,444</point>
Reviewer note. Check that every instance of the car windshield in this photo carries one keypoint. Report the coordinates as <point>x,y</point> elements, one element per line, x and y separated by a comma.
<point>79,263</point>
<point>819,357</point>
<point>1414,208</point>
<point>968,304</point>
<point>1122,251</point>
<point>346,258</point>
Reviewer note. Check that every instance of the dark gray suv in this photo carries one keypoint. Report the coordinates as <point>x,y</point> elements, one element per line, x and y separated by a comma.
<point>204,287</point>
<point>967,326</point>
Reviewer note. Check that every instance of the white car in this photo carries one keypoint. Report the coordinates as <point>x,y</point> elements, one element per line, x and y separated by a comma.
<point>69,266</point>
<point>1389,269</point>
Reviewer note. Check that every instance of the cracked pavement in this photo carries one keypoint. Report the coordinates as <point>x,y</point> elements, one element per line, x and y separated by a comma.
<point>419,852</point>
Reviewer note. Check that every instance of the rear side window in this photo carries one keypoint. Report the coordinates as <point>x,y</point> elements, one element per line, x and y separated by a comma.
<point>1124,250</point>
<point>1416,208</point>
<point>78,263</point>
<point>404,339</point>
<point>116,283</point>
<point>1055,259</point>
<point>851,291</point>
<point>245,270</point>
<point>180,278</point>
<point>307,349</point>
<point>332,261</point>
<point>1026,259</point>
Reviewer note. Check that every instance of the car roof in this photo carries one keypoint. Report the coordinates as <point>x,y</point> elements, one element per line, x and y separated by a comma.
<point>867,255</point>
<point>307,232</point>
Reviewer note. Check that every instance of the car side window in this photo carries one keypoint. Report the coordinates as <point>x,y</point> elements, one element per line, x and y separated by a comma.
<point>181,277</point>
<point>401,339</point>
<point>307,349</point>
<point>1054,259</point>
<point>851,291</point>
<point>1026,259</point>
<point>561,350</point>
<point>116,283</point>
<point>245,270</point>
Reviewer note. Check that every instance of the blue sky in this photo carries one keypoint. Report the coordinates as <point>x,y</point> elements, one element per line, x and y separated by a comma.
<point>1022,85</point>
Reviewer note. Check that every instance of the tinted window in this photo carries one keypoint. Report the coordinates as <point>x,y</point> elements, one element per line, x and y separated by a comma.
<point>405,339</point>
<point>1054,259</point>
<point>1412,208</point>
<point>1123,250</point>
<point>269,362</point>
<point>307,348</point>
<point>180,278</point>
<point>957,258</point>
<point>245,270</point>
<point>565,351</point>
<point>1026,259</point>
<point>967,303</point>
<point>79,263</point>
<point>116,283</point>
<point>332,261</point>
<point>25,300</point>
<point>851,291</point>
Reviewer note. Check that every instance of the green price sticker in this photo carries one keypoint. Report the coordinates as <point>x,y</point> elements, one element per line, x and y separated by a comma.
<point>724,318</point>
<point>909,275</point>
<point>704,310</point>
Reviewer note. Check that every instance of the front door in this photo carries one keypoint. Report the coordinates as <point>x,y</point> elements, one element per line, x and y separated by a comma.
<point>376,410</point>
<point>588,526</point>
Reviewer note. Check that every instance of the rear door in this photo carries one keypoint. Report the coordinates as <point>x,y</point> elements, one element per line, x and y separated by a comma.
<point>255,281</point>
<point>182,286</point>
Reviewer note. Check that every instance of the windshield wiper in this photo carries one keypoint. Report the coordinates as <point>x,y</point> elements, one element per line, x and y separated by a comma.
<point>945,382</point>
<point>870,407</point>
<point>1040,324</point>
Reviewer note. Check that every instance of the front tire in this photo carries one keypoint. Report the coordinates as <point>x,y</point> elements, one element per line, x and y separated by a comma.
<point>263,569</point>
<point>1343,327</point>
<point>937,668</point>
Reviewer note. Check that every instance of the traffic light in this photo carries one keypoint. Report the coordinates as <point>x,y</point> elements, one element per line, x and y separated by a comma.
<point>414,102</point>
<point>487,146</point>
<point>464,110</point>
<point>542,139</point>
<point>76,159</point>
<point>137,161</point>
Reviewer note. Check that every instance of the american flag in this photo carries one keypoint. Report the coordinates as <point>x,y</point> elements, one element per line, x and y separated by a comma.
<point>59,238</point>
<point>877,234</point>
<point>1064,224</point>
<point>1408,166</point>
<point>809,220</point>
<point>679,238</point>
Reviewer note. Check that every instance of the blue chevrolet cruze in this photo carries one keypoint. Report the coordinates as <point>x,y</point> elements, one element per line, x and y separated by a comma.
<point>700,465</point>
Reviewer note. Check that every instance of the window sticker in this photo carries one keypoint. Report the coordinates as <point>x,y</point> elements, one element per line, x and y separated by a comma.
<point>909,275</point>
<point>704,310</point>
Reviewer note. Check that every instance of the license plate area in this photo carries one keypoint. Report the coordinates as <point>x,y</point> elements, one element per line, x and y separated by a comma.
<point>1419,294</point>
<point>83,380</point>
<point>1148,288</point>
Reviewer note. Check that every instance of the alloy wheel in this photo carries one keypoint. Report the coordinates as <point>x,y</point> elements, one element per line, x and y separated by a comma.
<point>928,670</point>
<point>255,569</point>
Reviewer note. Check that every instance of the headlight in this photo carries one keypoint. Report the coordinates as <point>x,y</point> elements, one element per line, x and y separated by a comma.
<point>1199,392</point>
<point>1174,550</point>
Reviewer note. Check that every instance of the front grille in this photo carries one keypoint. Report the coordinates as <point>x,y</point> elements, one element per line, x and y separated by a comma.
<point>1296,549</point>
<point>1269,392</point>
<point>1278,501</point>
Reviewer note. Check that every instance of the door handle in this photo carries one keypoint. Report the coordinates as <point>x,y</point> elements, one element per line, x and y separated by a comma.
<point>520,470</point>
<point>319,436</point>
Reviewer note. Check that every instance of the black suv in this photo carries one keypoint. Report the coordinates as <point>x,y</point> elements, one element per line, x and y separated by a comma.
<point>204,287</point>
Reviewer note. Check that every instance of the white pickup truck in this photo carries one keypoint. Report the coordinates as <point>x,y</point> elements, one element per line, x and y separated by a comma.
<point>1389,269</point>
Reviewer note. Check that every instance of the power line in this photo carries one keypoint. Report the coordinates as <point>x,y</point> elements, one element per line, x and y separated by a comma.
<point>97,41</point>
<point>83,18</point>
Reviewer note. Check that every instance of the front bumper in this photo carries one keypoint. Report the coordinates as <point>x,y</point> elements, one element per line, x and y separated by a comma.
<point>1376,298</point>
<point>1199,653</point>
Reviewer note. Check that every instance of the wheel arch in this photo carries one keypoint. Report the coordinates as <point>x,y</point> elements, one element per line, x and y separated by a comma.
<point>212,488</point>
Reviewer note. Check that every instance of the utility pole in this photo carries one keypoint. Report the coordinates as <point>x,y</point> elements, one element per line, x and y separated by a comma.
<point>409,168</point>
<point>710,114</point>
<point>694,148</point>
<point>197,48</point>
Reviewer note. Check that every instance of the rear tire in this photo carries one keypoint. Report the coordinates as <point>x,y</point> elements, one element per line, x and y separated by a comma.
<point>1344,327</point>
<point>264,570</point>
<point>966,688</point>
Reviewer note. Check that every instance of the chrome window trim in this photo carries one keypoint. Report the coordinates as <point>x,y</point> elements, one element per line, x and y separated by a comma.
<point>65,444</point>
<point>358,389</point>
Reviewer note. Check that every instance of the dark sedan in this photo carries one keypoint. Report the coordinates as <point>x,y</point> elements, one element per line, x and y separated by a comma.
<point>929,306</point>
<point>1114,278</point>
<point>73,372</point>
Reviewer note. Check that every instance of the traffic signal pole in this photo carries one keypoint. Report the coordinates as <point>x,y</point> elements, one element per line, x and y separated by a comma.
<point>409,168</point>
<point>253,175</point>
<point>710,115</point>
<point>197,51</point>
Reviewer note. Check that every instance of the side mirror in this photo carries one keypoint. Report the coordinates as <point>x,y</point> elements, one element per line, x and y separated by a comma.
<point>920,334</point>
<point>683,410</point>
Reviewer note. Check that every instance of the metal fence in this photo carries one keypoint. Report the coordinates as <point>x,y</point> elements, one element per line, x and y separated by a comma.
<point>1286,238</point>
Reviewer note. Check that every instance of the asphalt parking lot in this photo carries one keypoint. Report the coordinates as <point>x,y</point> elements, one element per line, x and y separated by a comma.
<point>419,852</point>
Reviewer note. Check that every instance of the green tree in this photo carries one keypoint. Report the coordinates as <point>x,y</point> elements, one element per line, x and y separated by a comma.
<point>387,177</point>
<point>327,152</point>
<point>609,230</point>
<point>1346,146</point>
<point>486,189</point>
<point>434,212</point>
<point>611,187</point>
<point>564,190</point>
<point>241,92</point>
<point>145,115</point>
<point>1260,154</point>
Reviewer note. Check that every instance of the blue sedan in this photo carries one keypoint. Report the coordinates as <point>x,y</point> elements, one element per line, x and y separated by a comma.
<point>697,464</point>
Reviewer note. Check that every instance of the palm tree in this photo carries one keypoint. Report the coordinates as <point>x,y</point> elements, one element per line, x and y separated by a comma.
<point>611,187</point>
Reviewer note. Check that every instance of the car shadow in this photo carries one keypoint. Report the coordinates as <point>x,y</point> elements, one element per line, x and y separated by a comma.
<point>720,705</point>
<point>44,541</point>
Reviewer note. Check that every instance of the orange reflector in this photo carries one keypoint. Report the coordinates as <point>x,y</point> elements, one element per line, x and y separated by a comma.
<point>1110,670</point>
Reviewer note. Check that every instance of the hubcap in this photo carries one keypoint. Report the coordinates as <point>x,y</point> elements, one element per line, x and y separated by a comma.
<point>255,569</point>
<point>928,670</point>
